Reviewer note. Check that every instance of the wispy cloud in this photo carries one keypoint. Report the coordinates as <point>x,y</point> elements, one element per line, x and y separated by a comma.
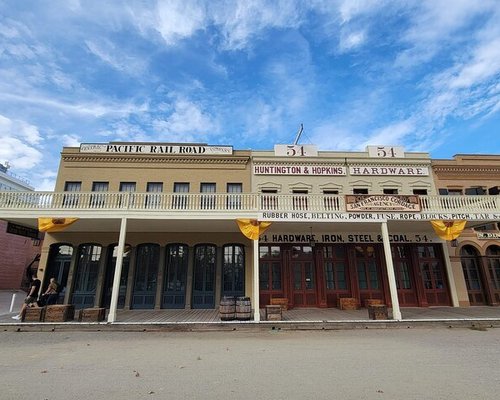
<point>19,143</point>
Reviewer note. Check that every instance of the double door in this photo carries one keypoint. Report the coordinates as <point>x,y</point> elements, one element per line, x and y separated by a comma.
<point>304,284</point>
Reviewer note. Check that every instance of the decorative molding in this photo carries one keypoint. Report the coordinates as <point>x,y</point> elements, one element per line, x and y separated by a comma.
<point>149,160</point>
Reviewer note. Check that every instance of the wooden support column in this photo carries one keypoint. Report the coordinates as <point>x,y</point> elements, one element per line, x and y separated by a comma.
<point>396,312</point>
<point>118,272</point>
<point>256,304</point>
<point>449,273</point>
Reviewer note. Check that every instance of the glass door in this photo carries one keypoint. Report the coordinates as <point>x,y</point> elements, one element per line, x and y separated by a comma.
<point>204,277</point>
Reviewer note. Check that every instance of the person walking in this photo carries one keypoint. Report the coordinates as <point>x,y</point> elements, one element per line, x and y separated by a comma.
<point>32,296</point>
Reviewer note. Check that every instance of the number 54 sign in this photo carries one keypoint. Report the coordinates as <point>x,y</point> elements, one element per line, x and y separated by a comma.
<point>386,151</point>
<point>295,150</point>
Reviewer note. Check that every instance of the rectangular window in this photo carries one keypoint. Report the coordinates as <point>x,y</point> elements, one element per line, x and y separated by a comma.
<point>207,200</point>
<point>495,190</point>
<point>127,199</point>
<point>180,201</point>
<point>390,191</point>
<point>70,200</point>
<point>98,200</point>
<point>127,186</point>
<point>478,191</point>
<point>359,191</point>
<point>234,191</point>
<point>153,201</point>
<point>454,192</point>
<point>422,192</point>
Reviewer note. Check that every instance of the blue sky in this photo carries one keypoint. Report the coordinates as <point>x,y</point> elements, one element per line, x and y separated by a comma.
<point>420,74</point>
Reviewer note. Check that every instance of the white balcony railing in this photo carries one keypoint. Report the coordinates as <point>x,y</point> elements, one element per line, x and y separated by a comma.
<point>182,202</point>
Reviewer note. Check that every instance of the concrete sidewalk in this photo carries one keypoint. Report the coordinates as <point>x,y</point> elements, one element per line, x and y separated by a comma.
<point>6,301</point>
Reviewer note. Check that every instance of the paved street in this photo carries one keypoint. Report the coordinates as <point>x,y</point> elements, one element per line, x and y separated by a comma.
<point>361,364</point>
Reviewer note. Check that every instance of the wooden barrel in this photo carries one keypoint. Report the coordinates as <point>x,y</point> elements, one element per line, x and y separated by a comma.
<point>243,309</point>
<point>227,308</point>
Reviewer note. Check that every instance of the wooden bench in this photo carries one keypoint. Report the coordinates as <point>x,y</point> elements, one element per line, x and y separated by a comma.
<point>348,303</point>
<point>273,312</point>
<point>95,314</point>
<point>60,313</point>
<point>378,311</point>
<point>373,302</point>
<point>33,314</point>
<point>280,301</point>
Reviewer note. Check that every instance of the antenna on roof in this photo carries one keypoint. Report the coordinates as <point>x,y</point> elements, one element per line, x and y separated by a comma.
<point>297,137</point>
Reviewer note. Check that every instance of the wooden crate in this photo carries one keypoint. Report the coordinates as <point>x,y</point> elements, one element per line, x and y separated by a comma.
<point>92,314</point>
<point>60,313</point>
<point>273,313</point>
<point>280,301</point>
<point>378,311</point>
<point>34,314</point>
<point>373,302</point>
<point>348,303</point>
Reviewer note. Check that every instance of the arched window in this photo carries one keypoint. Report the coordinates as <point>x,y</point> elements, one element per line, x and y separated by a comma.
<point>493,257</point>
<point>87,270</point>
<point>58,266</point>
<point>470,266</point>
<point>146,275</point>
<point>233,270</point>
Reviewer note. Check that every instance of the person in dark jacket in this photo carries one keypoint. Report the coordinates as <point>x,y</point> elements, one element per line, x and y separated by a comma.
<point>32,296</point>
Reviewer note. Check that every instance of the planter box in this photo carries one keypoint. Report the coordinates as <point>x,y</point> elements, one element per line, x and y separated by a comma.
<point>348,303</point>
<point>60,313</point>
<point>273,313</point>
<point>280,301</point>
<point>373,302</point>
<point>378,311</point>
<point>92,314</point>
<point>34,314</point>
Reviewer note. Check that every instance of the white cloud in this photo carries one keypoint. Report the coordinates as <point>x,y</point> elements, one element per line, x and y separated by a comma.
<point>434,24</point>
<point>351,40</point>
<point>20,143</point>
<point>71,140</point>
<point>393,134</point>
<point>177,20</point>
<point>484,65</point>
<point>187,118</point>
<point>94,109</point>
<point>116,57</point>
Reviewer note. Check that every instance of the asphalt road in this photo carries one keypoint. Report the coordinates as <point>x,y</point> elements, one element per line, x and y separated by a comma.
<point>358,364</point>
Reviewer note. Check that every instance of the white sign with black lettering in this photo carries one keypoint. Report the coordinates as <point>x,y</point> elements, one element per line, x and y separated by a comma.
<point>353,237</point>
<point>139,148</point>
<point>305,216</point>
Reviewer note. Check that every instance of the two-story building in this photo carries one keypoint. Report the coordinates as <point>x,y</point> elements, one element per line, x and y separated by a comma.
<point>475,254</point>
<point>156,226</point>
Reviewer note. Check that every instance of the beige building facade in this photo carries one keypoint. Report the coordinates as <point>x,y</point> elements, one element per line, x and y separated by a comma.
<point>475,254</point>
<point>156,227</point>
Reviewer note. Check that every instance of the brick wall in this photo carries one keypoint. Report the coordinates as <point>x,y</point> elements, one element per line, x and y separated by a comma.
<point>16,252</point>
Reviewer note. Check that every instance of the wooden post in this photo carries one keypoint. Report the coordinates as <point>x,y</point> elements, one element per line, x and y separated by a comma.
<point>256,305</point>
<point>396,312</point>
<point>118,272</point>
<point>449,274</point>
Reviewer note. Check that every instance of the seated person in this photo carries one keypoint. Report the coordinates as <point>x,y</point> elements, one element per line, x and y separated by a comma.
<point>51,294</point>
